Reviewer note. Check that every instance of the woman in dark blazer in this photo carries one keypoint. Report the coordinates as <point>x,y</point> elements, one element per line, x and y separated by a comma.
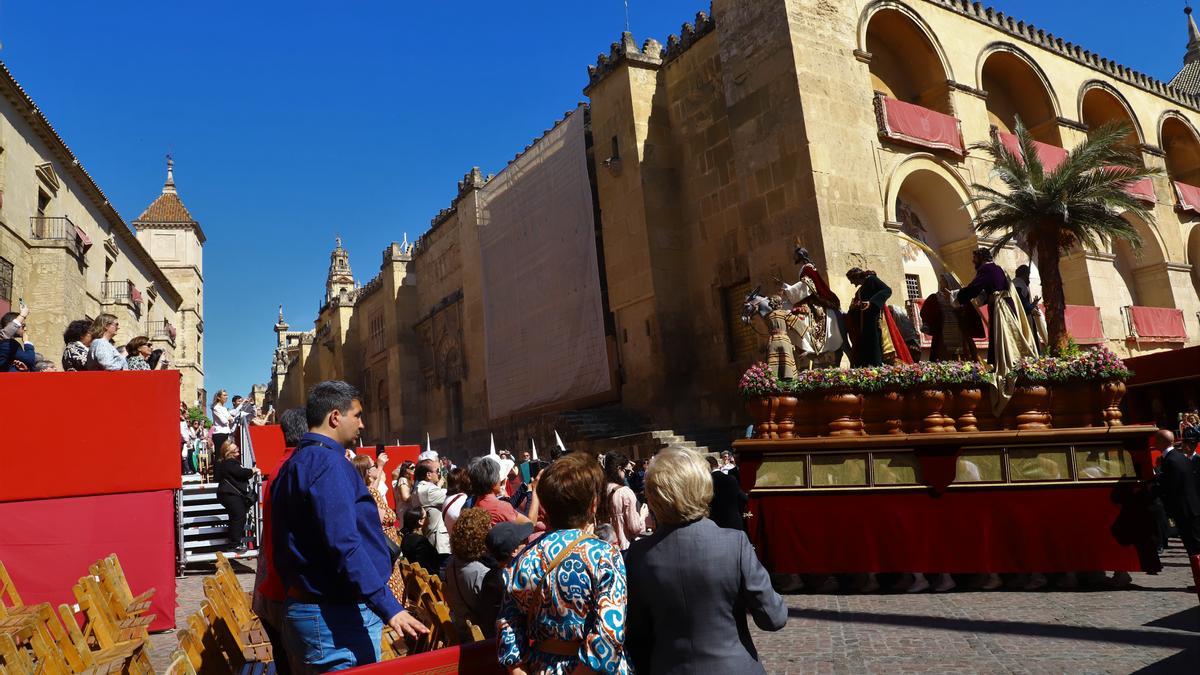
<point>233,491</point>
<point>691,583</point>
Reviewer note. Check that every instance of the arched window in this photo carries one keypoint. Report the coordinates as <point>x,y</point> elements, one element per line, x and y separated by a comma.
<point>1015,89</point>
<point>905,64</point>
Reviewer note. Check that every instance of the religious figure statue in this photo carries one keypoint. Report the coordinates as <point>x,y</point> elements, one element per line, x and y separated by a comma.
<point>1009,336</point>
<point>781,355</point>
<point>942,320</point>
<point>822,324</point>
<point>874,336</point>
<point>820,296</point>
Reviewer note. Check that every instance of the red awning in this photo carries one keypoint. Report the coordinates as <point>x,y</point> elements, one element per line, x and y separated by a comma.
<point>1051,155</point>
<point>915,125</point>
<point>1157,324</point>
<point>135,294</point>
<point>1143,189</point>
<point>85,240</point>
<point>1189,196</point>
<point>1083,324</point>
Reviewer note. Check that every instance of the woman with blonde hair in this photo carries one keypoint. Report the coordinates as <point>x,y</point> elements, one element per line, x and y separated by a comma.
<point>387,518</point>
<point>671,626</point>
<point>233,491</point>
<point>221,417</point>
<point>102,353</point>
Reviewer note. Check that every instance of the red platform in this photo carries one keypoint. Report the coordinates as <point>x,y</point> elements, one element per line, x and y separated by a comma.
<point>476,658</point>
<point>86,471</point>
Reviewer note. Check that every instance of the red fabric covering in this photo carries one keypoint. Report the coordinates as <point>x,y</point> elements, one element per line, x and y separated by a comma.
<point>1164,366</point>
<point>1143,190</point>
<point>135,294</point>
<point>1083,324</point>
<point>1034,529</point>
<point>902,353</point>
<point>1189,196</point>
<point>48,544</point>
<point>1158,324</point>
<point>268,447</point>
<point>1051,155</point>
<point>5,306</point>
<point>397,455</point>
<point>477,658</point>
<point>103,433</point>
<point>913,124</point>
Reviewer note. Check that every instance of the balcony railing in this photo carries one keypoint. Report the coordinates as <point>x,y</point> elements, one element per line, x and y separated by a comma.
<point>121,292</point>
<point>163,330</point>
<point>60,230</point>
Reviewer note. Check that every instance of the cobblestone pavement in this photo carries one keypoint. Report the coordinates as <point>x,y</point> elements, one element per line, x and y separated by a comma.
<point>1152,627</point>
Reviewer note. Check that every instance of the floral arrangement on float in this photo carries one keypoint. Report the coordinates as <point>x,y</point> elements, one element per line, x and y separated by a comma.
<point>1079,388</point>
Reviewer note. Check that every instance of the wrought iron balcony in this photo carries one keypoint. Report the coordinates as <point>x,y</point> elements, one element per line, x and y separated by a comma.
<point>60,230</point>
<point>121,292</point>
<point>163,330</point>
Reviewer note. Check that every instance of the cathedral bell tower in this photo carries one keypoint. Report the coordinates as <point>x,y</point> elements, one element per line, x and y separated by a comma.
<point>340,278</point>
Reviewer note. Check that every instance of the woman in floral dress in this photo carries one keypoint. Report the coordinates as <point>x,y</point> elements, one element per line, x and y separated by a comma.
<point>387,517</point>
<point>564,600</point>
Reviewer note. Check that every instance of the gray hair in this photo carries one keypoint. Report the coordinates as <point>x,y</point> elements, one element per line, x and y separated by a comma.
<point>294,424</point>
<point>484,473</point>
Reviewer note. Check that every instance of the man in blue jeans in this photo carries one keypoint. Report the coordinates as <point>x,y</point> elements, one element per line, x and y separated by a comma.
<point>330,549</point>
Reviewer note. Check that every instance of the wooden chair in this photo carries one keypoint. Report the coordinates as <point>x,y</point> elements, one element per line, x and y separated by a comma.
<point>213,660</point>
<point>16,619</point>
<point>60,649</point>
<point>112,578</point>
<point>13,658</point>
<point>476,634</point>
<point>181,664</point>
<point>243,643</point>
<point>102,621</point>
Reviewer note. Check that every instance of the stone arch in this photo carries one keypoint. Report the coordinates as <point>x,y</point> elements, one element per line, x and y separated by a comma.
<point>1017,86</point>
<point>1193,256</point>
<point>1100,103</point>
<point>908,62</point>
<point>1180,143</point>
<point>930,202</point>
<point>1142,272</point>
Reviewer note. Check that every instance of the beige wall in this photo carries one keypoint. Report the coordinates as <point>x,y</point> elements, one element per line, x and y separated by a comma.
<point>58,285</point>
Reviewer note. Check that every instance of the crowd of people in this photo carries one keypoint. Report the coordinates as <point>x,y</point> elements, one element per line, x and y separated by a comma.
<point>580,563</point>
<point>88,344</point>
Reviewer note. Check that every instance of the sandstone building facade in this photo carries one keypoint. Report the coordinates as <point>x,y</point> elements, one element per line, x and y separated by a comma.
<point>68,254</point>
<point>844,123</point>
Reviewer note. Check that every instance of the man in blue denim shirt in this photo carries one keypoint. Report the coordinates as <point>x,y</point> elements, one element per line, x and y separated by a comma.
<point>329,546</point>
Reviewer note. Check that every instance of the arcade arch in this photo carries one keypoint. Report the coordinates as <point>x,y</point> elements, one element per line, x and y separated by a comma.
<point>906,64</point>
<point>1179,142</point>
<point>1099,104</point>
<point>1017,88</point>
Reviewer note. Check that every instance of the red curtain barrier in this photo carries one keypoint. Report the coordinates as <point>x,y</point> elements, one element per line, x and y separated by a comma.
<point>913,124</point>
<point>48,544</point>
<point>397,455</point>
<point>1158,324</point>
<point>268,447</point>
<point>1028,529</point>
<point>477,658</point>
<point>70,434</point>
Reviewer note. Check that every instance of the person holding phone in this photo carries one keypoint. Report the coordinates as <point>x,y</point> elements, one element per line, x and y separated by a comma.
<point>17,355</point>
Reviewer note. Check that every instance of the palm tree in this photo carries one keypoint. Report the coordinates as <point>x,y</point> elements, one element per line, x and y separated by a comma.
<point>1079,203</point>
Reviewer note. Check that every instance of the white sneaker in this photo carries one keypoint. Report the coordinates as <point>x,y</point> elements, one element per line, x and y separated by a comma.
<point>993,582</point>
<point>946,583</point>
<point>920,583</point>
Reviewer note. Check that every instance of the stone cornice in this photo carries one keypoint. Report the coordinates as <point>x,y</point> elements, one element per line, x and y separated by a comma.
<point>1152,150</point>
<point>1072,124</point>
<point>688,36</point>
<point>967,89</point>
<point>1031,34</point>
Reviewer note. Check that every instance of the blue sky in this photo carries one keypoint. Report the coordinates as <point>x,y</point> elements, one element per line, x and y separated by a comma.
<point>294,121</point>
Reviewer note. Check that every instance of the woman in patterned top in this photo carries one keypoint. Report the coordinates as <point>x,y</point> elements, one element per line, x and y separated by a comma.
<point>77,340</point>
<point>137,352</point>
<point>387,517</point>
<point>565,593</point>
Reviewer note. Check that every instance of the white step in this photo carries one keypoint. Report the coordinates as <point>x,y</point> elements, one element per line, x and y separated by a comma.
<point>209,557</point>
<point>196,520</point>
<point>204,543</point>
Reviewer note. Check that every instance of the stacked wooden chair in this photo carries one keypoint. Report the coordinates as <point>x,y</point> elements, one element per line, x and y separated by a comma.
<point>225,637</point>
<point>114,636</point>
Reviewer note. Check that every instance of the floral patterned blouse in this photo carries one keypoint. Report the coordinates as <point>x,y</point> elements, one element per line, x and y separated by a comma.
<point>75,356</point>
<point>136,362</point>
<point>584,602</point>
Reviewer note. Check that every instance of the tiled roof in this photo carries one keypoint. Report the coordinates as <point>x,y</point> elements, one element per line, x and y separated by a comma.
<point>168,208</point>
<point>1187,80</point>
